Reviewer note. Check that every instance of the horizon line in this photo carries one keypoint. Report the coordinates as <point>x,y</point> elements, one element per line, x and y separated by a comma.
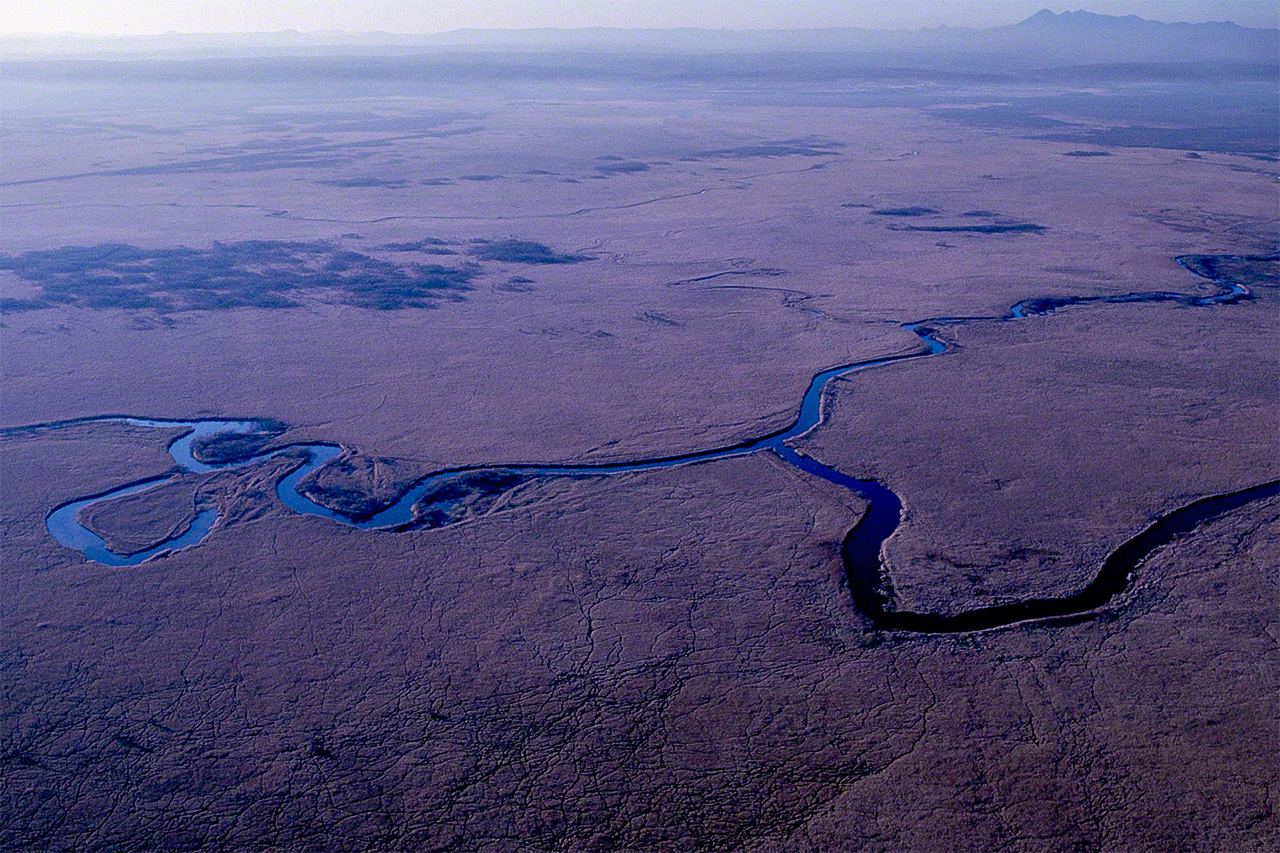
<point>1043,13</point>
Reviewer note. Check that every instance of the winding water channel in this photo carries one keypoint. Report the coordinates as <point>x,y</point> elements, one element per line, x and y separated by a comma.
<point>862,549</point>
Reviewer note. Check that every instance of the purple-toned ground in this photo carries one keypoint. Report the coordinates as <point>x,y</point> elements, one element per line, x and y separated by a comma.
<point>644,661</point>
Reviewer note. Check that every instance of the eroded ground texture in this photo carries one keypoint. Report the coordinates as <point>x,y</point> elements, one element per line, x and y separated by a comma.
<point>655,660</point>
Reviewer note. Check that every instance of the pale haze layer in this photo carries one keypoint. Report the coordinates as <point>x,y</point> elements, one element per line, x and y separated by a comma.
<point>146,17</point>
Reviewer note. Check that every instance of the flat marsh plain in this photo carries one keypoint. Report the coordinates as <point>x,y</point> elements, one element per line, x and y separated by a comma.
<point>654,660</point>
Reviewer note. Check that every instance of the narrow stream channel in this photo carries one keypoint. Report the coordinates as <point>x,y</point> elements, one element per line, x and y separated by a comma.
<point>862,548</point>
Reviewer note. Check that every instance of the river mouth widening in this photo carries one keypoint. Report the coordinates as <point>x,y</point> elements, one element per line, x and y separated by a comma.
<point>442,498</point>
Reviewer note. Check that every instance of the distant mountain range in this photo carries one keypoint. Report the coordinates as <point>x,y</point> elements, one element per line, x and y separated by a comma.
<point>1045,39</point>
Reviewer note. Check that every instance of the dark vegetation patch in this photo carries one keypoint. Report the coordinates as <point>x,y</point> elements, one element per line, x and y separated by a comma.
<point>362,183</point>
<point>1022,116</point>
<point>904,211</point>
<point>436,182</point>
<point>981,214</point>
<point>806,147</point>
<point>479,177</point>
<point>226,447</point>
<point>415,286</point>
<point>660,319</point>
<point>993,228</point>
<point>854,204</point>
<point>521,252</point>
<point>623,168</point>
<point>1241,270</point>
<point>1084,153</point>
<point>357,486</point>
<point>539,172</point>
<point>516,284</point>
<point>611,158</point>
<point>425,246</point>
<point>1049,304</point>
<point>247,274</point>
<point>461,496</point>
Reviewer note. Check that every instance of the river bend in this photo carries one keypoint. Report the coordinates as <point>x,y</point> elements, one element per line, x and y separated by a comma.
<point>862,550</point>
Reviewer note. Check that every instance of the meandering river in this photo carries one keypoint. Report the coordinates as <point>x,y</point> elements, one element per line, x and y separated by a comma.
<point>862,549</point>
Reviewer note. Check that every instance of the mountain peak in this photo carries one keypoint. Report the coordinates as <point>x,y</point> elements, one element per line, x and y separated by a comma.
<point>1044,16</point>
<point>1082,18</point>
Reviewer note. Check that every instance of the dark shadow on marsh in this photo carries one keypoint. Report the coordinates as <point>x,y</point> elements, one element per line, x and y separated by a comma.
<point>516,284</point>
<point>904,211</point>
<point>425,246</point>
<point>522,252</point>
<point>364,183</point>
<point>993,228</point>
<point>622,168</point>
<point>247,274</point>
<point>810,146</point>
<point>313,154</point>
<point>659,318</point>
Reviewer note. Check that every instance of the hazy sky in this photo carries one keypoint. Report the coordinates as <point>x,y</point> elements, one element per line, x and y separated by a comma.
<point>138,17</point>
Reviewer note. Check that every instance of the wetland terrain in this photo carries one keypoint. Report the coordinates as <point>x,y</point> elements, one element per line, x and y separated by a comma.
<point>443,462</point>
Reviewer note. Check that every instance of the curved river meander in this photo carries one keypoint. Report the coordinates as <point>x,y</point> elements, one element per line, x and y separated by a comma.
<point>862,549</point>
